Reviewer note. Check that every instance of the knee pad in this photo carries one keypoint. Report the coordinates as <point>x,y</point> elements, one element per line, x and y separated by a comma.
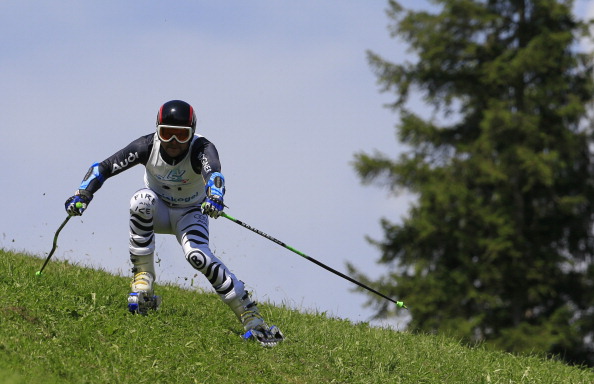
<point>142,204</point>
<point>226,285</point>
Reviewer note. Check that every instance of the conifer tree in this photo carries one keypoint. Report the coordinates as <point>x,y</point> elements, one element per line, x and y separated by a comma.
<point>498,246</point>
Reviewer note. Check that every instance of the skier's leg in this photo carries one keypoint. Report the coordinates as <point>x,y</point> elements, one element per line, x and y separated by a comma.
<point>143,207</point>
<point>193,235</point>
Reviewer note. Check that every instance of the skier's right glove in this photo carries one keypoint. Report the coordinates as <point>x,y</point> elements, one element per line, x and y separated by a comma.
<point>76,205</point>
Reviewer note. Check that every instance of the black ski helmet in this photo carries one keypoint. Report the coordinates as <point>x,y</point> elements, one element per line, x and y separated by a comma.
<point>177,112</point>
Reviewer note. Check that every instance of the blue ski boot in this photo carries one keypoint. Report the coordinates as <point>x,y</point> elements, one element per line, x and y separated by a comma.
<point>256,328</point>
<point>142,299</point>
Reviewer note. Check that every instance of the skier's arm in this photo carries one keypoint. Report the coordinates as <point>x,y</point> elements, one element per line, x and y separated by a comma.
<point>137,152</point>
<point>205,160</point>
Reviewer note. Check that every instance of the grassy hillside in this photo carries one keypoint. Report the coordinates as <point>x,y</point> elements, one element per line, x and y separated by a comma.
<point>71,326</point>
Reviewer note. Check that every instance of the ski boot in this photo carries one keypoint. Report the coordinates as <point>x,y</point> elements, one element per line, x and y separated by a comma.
<point>254,324</point>
<point>142,299</point>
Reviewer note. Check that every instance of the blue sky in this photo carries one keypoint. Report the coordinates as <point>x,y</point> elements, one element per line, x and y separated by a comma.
<point>282,88</point>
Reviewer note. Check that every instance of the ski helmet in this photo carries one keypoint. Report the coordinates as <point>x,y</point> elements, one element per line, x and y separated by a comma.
<point>178,113</point>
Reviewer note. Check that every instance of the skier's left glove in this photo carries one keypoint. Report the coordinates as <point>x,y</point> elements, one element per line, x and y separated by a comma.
<point>76,205</point>
<point>215,190</point>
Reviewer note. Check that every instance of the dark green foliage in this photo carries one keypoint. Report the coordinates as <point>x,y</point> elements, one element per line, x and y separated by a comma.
<point>499,244</point>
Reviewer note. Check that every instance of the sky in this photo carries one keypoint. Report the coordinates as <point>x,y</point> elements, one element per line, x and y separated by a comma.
<point>283,89</point>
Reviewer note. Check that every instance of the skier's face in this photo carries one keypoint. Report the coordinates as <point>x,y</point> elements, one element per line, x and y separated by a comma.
<point>174,148</point>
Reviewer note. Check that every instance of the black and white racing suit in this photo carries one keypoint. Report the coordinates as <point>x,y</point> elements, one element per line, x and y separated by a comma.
<point>170,204</point>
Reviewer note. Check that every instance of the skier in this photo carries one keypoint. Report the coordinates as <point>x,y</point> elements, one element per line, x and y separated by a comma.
<point>183,187</point>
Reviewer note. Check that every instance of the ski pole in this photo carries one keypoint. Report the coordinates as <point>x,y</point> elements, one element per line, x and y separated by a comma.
<point>38,273</point>
<point>400,304</point>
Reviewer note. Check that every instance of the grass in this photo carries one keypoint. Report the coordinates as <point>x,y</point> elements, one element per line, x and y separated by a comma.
<point>71,326</point>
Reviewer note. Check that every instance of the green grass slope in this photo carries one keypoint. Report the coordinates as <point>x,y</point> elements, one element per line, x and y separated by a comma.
<point>71,326</point>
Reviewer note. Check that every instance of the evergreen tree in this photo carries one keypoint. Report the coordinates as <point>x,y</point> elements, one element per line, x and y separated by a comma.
<point>498,247</point>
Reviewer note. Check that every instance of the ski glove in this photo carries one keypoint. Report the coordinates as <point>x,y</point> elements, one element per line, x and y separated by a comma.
<point>215,189</point>
<point>76,205</point>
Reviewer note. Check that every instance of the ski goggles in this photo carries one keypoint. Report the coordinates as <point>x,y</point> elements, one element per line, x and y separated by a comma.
<point>169,132</point>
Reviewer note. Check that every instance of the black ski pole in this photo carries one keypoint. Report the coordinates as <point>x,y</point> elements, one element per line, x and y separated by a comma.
<point>400,304</point>
<point>38,273</point>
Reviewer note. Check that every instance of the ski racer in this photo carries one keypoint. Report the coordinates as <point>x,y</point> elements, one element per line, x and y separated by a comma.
<point>183,188</point>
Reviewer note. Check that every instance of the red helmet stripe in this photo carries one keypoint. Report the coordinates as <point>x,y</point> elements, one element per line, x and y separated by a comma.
<point>191,115</point>
<point>160,116</point>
